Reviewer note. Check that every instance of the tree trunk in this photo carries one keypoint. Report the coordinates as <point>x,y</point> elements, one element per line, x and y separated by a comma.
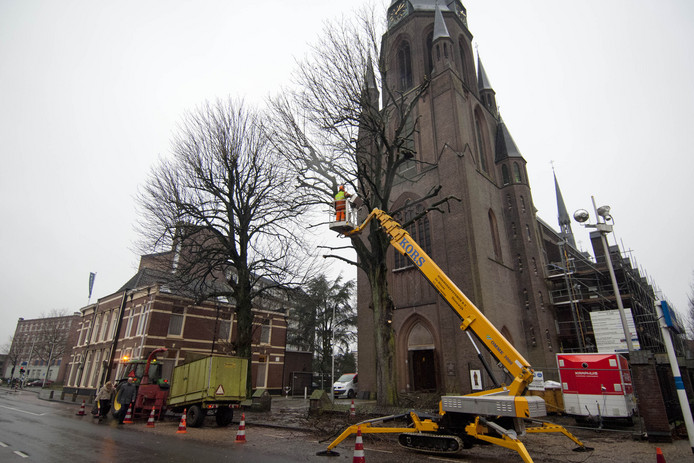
<point>386,389</point>
<point>244,319</point>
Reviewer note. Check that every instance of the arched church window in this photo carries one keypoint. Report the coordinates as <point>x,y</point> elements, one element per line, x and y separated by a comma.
<point>405,66</point>
<point>504,174</point>
<point>408,168</point>
<point>481,143</point>
<point>419,230</point>
<point>534,266</point>
<point>516,173</point>
<point>522,200</point>
<point>527,232</point>
<point>533,339</point>
<point>463,69</point>
<point>429,49</point>
<point>513,229</point>
<point>495,235</point>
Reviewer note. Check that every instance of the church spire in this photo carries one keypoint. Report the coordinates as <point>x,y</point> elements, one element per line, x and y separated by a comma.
<point>441,43</point>
<point>563,215</point>
<point>440,29</point>
<point>487,93</point>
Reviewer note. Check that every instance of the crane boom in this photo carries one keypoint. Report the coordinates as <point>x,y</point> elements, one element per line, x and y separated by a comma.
<point>463,419</point>
<point>471,317</point>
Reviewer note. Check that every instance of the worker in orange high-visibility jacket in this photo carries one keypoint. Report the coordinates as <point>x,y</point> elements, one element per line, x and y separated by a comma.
<point>340,199</point>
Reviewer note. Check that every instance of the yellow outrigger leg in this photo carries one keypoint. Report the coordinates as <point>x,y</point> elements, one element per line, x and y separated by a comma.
<point>367,428</point>
<point>551,427</point>
<point>480,427</point>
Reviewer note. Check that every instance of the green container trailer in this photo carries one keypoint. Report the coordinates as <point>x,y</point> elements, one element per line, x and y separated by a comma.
<point>209,385</point>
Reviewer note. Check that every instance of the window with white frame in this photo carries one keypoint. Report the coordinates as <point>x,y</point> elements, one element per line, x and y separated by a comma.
<point>224,330</point>
<point>128,327</point>
<point>104,327</point>
<point>142,321</point>
<point>176,322</point>
<point>95,329</point>
<point>265,332</point>
<point>114,324</point>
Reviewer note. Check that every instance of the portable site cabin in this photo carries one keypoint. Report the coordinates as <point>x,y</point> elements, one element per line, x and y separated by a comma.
<point>596,385</point>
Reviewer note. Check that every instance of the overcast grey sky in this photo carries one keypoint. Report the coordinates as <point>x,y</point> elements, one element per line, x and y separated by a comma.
<point>90,93</point>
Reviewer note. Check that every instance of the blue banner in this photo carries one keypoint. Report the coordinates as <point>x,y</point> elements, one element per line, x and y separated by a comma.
<point>92,276</point>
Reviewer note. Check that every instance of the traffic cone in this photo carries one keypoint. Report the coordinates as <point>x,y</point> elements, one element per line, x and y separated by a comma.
<point>81,412</point>
<point>358,448</point>
<point>352,410</point>
<point>659,458</point>
<point>150,421</point>
<point>182,424</point>
<point>129,415</point>
<point>241,434</point>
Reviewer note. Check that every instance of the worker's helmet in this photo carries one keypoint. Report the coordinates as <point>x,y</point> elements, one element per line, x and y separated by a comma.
<point>342,188</point>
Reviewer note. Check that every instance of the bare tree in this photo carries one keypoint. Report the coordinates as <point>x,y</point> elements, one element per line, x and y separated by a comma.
<point>221,201</point>
<point>50,341</point>
<point>15,349</point>
<point>333,130</point>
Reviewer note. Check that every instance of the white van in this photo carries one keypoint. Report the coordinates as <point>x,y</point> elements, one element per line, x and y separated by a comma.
<point>346,386</point>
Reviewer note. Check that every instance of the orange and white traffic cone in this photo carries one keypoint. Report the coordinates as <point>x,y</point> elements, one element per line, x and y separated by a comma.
<point>352,410</point>
<point>358,448</point>
<point>659,458</point>
<point>182,424</point>
<point>81,412</point>
<point>129,415</point>
<point>150,421</point>
<point>241,434</point>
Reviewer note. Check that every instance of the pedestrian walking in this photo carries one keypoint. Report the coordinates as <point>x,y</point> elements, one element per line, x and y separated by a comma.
<point>125,396</point>
<point>105,396</point>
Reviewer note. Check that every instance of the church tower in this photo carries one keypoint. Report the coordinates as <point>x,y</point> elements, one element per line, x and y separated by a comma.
<point>487,242</point>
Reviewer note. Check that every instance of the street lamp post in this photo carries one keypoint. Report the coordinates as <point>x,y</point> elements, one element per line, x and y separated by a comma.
<point>603,212</point>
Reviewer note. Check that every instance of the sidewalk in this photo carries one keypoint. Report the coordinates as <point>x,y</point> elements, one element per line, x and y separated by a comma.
<point>285,412</point>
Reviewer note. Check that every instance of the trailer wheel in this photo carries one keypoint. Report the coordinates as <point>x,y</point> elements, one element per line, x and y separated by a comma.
<point>195,416</point>
<point>224,416</point>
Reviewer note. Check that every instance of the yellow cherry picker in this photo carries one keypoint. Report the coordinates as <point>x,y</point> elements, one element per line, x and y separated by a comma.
<point>497,416</point>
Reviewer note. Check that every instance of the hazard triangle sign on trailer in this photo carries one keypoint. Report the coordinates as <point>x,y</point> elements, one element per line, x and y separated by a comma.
<point>219,391</point>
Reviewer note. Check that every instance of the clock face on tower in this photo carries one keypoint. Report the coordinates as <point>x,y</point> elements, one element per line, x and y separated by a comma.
<point>397,12</point>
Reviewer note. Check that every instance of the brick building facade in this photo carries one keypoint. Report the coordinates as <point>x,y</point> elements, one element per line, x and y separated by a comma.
<point>146,314</point>
<point>31,347</point>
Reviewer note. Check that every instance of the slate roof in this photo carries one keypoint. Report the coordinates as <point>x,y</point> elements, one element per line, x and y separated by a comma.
<point>505,146</point>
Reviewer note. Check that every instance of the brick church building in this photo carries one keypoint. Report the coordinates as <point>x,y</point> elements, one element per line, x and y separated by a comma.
<point>488,242</point>
<point>529,280</point>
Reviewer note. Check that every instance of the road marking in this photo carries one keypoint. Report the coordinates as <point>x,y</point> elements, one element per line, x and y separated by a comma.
<point>442,459</point>
<point>2,444</point>
<point>21,454</point>
<point>378,450</point>
<point>22,411</point>
<point>275,435</point>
